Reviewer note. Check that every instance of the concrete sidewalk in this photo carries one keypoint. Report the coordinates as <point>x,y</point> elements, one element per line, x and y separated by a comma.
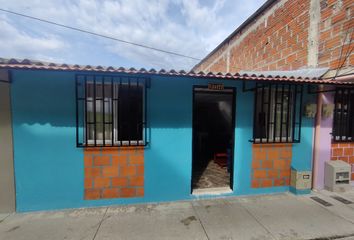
<point>282,216</point>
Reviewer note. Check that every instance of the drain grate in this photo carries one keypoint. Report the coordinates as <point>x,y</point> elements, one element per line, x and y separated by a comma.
<point>342,200</point>
<point>321,201</point>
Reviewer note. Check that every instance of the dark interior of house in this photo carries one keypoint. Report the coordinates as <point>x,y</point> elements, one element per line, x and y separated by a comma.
<point>212,139</point>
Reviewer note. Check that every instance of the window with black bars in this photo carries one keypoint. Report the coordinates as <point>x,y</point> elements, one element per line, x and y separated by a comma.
<point>343,117</point>
<point>277,113</point>
<point>111,111</point>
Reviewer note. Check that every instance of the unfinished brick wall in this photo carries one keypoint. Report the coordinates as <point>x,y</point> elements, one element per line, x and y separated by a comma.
<point>271,165</point>
<point>113,173</point>
<point>344,152</point>
<point>278,39</point>
<point>336,30</point>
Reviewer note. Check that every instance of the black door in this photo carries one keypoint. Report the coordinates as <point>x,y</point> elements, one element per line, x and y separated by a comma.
<point>213,137</point>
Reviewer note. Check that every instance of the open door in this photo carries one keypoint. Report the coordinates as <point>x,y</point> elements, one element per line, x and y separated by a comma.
<point>213,139</point>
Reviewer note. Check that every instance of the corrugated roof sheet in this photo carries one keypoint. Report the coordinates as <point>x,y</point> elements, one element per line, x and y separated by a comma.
<point>307,72</point>
<point>38,65</point>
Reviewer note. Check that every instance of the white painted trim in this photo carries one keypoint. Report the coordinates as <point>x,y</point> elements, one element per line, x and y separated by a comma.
<point>211,191</point>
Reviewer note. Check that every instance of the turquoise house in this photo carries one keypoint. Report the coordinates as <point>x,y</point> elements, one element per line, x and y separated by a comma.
<point>85,136</point>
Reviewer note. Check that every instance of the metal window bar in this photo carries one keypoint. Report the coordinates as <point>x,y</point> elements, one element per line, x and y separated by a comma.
<point>288,112</point>
<point>102,114</point>
<point>275,112</point>
<point>283,113</point>
<point>343,120</point>
<point>268,113</point>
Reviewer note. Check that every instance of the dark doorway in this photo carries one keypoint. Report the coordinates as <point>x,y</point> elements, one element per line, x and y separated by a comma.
<point>213,138</point>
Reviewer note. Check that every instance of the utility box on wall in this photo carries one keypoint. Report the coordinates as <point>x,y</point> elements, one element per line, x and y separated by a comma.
<point>337,176</point>
<point>300,181</point>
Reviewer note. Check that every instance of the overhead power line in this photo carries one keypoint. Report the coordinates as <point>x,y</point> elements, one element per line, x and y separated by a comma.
<point>100,35</point>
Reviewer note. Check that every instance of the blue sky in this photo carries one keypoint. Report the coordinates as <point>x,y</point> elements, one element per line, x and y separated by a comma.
<point>190,27</point>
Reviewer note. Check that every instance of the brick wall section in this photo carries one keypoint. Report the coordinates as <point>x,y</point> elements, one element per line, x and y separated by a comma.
<point>113,173</point>
<point>336,29</point>
<point>344,152</point>
<point>278,39</point>
<point>271,165</point>
<point>278,42</point>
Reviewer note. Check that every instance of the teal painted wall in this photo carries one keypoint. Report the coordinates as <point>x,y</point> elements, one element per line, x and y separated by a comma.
<point>49,169</point>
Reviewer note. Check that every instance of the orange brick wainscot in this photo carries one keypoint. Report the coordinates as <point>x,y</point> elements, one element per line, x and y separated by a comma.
<point>113,173</point>
<point>271,165</point>
<point>345,152</point>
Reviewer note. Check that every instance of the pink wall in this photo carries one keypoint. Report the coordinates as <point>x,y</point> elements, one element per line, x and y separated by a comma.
<point>323,148</point>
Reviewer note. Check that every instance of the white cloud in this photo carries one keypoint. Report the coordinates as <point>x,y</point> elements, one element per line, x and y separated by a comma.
<point>20,43</point>
<point>184,26</point>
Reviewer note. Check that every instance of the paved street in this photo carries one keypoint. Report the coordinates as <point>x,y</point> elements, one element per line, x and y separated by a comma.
<point>281,216</point>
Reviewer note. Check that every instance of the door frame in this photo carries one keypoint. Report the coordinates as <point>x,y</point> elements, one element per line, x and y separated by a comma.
<point>233,125</point>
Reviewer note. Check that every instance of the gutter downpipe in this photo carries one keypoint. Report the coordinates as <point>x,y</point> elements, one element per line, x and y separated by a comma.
<point>317,137</point>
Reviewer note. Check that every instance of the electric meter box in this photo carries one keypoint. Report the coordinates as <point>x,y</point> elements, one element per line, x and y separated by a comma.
<point>337,176</point>
<point>300,181</point>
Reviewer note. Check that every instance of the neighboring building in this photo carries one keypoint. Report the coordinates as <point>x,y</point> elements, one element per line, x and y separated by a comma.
<point>293,35</point>
<point>150,137</point>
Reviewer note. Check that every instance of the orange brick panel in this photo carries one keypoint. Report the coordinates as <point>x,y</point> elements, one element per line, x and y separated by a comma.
<point>267,164</point>
<point>88,161</point>
<point>351,160</point>
<point>91,194</point>
<point>110,193</point>
<point>136,181</point>
<point>139,192</point>
<point>279,182</point>
<point>266,182</point>
<point>337,151</point>
<point>128,171</point>
<point>119,182</point>
<point>127,192</point>
<point>88,183</point>
<point>256,163</point>
<point>285,173</point>
<point>111,171</point>
<point>119,160</point>
<point>273,173</point>
<point>101,182</point>
<point>140,170</point>
<point>348,151</point>
<point>260,173</point>
<point>93,151</point>
<point>136,159</point>
<point>260,155</point>
<point>273,155</point>
<point>102,160</point>
<point>271,165</point>
<point>343,151</point>
<point>92,172</point>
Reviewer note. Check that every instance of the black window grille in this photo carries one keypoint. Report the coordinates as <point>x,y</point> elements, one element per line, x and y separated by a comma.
<point>111,111</point>
<point>343,119</point>
<point>277,113</point>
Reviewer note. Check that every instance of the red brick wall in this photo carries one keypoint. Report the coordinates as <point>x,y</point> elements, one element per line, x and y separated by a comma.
<point>113,173</point>
<point>280,41</point>
<point>271,165</point>
<point>344,152</point>
<point>277,42</point>
<point>336,29</point>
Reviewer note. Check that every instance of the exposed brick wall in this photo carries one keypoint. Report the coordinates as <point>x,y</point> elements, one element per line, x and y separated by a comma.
<point>271,165</point>
<point>344,152</point>
<point>336,29</point>
<point>113,173</point>
<point>278,39</point>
